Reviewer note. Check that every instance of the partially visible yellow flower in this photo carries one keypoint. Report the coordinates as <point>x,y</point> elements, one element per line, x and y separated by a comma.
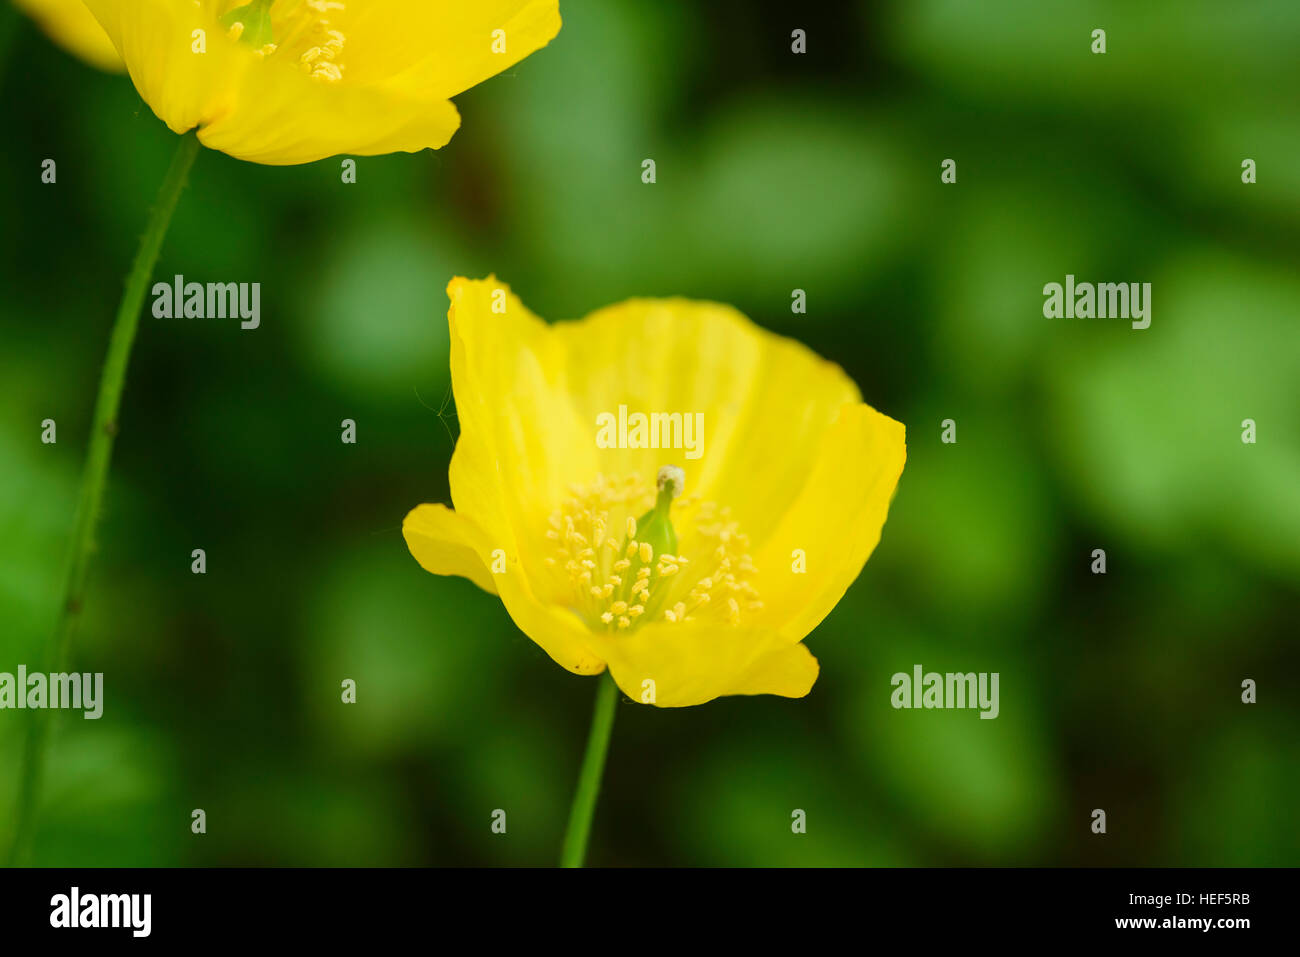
<point>72,27</point>
<point>596,558</point>
<point>292,81</point>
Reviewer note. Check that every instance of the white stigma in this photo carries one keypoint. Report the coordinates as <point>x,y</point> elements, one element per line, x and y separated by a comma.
<point>672,478</point>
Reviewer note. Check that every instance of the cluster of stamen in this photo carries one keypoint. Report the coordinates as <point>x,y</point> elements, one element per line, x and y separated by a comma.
<point>304,31</point>
<point>617,582</point>
<point>729,584</point>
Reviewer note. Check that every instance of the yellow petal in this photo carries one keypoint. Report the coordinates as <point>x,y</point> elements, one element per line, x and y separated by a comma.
<point>835,521</point>
<point>450,44</point>
<point>520,444</point>
<point>156,40</point>
<point>447,543</point>
<point>766,400</point>
<point>280,116</point>
<point>558,632</point>
<point>693,663</point>
<point>72,26</point>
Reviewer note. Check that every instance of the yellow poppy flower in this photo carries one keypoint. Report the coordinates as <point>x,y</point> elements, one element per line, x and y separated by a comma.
<point>69,24</point>
<point>292,81</point>
<point>598,553</point>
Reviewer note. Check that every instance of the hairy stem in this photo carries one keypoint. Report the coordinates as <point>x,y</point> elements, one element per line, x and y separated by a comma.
<point>94,475</point>
<point>593,766</point>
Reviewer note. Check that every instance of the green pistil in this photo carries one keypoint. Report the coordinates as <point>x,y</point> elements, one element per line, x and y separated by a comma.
<point>656,527</point>
<point>256,18</point>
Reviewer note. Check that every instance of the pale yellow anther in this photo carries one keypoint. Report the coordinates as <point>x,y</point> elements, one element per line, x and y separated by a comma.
<point>647,552</point>
<point>236,30</point>
<point>631,550</point>
<point>619,608</point>
<point>606,591</point>
<point>607,618</point>
<point>631,527</point>
<point>636,610</point>
<point>595,591</point>
<point>624,622</point>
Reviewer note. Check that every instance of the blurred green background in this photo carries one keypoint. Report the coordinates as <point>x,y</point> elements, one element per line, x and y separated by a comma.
<point>775,172</point>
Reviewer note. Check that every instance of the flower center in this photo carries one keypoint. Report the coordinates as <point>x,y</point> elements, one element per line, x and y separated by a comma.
<point>644,574</point>
<point>296,29</point>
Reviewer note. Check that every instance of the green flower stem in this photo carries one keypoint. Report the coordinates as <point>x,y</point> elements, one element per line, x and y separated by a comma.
<point>93,477</point>
<point>593,766</point>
